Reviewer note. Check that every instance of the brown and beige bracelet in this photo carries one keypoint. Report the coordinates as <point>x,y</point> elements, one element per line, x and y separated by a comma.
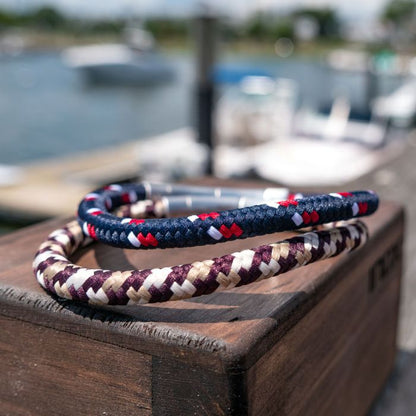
<point>59,276</point>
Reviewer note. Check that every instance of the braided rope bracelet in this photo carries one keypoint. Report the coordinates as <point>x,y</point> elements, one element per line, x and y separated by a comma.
<point>212,227</point>
<point>58,275</point>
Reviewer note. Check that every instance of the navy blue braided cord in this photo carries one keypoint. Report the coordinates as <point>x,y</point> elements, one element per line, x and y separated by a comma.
<point>213,227</point>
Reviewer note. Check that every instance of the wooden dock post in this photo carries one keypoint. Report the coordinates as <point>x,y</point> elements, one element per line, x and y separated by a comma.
<point>206,34</point>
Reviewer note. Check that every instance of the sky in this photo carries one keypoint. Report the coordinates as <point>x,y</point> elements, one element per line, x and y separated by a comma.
<point>363,9</point>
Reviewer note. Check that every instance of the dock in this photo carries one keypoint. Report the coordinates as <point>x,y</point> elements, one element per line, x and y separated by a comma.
<point>53,187</point>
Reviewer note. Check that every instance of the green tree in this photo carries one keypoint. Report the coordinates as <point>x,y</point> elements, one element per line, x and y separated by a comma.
<point>257,28</point>
<point>164,28</point>
<point>48,17</point>
<point>397,11</point>
<point>326,19</point>
<point>268,27</point>
<point>283,28</point>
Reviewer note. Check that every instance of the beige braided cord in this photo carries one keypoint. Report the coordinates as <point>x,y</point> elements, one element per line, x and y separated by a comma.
<point>57,274</point>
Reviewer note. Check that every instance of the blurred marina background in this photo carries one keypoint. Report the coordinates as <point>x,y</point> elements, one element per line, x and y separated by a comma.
<point>42,97</point>
<point>330,62</point>
<point>47,109</point>
<point>293,82</point>
<point>309,94</point>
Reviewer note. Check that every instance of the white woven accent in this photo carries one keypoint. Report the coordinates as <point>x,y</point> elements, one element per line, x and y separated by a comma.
<point>79,278</point>
<point>132,196</point>
<point>85,229</point>
<point>133,240</point>
<point>242,259</point>
<point>157,277</point>
<point>188,287</point>
<point>93,210</point>
<point>297,219</point>
<point>269,269</point>
<point>273,204</point>
<point>333,247</point>
<point>63,239</point>
<point>184,290</point>
<point>353,232</point>
<point>56,233</point>
<point>39,278</point>
<point>355,209</point>
<point>327,249</point>
<point>311,241</point>
<point>91,196</point>
<point>97,297</point>
<point>47,255</point>
<point>214,233</point>
<point>108,203</point>
<point>115,187</point>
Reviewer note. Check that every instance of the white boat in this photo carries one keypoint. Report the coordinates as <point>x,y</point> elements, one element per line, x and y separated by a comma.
<point>257,110</point>
<point>313,149</point>
<point>12,44</point>
<point>398,107</point>
<point>380,63</point>
<point>302,162</point>
<point>172,156</point>
<point>340,126</point>
<point>133,63</point>
<point>10,175</point>
<point>311,163</point>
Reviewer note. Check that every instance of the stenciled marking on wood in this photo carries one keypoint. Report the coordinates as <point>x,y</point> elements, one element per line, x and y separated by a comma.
<point>381,270</point>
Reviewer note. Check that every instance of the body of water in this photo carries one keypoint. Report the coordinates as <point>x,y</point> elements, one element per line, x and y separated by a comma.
<point>47,110</point>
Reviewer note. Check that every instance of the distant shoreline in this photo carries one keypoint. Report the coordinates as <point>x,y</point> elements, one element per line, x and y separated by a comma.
<point>41,41</point>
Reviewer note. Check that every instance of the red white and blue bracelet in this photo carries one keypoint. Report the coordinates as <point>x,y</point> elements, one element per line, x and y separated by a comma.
<point>283,212</point>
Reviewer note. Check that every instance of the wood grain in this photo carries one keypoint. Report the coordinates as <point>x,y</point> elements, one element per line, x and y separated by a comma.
<point>350,332</point>
<point>184,389</point>
<point>49,372</point>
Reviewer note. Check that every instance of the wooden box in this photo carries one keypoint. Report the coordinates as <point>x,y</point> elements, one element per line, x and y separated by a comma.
<point>316,341</point>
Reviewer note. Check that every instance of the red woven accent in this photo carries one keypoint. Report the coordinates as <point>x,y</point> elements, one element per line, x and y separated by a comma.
<point>345,193</point>
<point>362,207</point>
<point>288,202</point>
<point>212,215</point>
<point>91,231</point>
<point>233,230</point>
<point>314,216</point>
<point>136,221</point>
<point>149,240</point>
<point>306,218</point>
<point>96,213</point>
<point>125,198</point>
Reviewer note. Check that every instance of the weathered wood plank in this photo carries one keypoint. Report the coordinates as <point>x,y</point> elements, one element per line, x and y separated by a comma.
<point>49,372</point>
<point>333,358</point>
<point>186,390</point>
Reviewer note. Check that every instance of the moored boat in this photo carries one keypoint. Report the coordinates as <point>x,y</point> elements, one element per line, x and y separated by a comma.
<point>133,63</point>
